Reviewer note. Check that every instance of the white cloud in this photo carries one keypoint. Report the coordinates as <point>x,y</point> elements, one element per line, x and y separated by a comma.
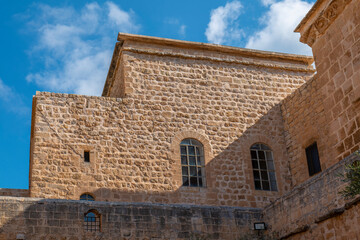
<point>182,30</point>
<point>176,24</point>
<point>279,24</point>
<point>121,18</point>
<point>5,91</point>
<point>75,47</point>
<point>12,100</point>
<point>267,2</point>
<point>223,26</point>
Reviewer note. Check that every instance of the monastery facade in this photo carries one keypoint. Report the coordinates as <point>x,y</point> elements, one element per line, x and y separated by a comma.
<point>200,141</point>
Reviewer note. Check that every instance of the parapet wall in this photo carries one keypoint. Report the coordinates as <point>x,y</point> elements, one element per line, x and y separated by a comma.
<point>34,218</point>
<point>309,205</point>
<point>14,192</point>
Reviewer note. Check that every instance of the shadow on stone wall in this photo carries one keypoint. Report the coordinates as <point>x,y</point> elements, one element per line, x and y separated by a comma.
<point>149,215</point>
<point>312,203</point>
<point>64,219</point>
<point>146,214</point>
<point>229,176</point>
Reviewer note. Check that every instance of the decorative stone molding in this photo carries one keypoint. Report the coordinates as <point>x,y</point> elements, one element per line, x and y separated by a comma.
<point>312,27</point>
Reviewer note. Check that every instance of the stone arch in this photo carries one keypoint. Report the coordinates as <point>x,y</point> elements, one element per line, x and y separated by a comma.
<point>175,151</point>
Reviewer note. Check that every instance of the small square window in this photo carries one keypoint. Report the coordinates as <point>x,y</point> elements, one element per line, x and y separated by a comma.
<point>86,156</point>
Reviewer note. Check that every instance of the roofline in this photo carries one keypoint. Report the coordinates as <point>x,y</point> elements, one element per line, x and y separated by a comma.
<point>303,62</point>
<point>215,47</point>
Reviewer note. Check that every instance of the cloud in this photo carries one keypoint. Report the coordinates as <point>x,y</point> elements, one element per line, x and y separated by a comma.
<point>74,47</point>
<point>223,26</point>
<point>182,30</point>
<point>12,100</point>
<point>267,2</point>
<point>5,91</point>
<point>176,24</point>
<point>122,18</point>
<point>279,23</point>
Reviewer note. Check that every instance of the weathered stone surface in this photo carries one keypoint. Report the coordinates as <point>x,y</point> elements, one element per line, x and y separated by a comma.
<point>325,108</point>
<point>159,92</point>
<point>306,209</point>
<point>158,97</point>
<point>14,192</point>
<point>49,219</point>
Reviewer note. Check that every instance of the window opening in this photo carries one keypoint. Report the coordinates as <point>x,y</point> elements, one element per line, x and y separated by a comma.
<point>92,221</point>
<point>87,197</point>
<point>263,167</point>
<point>313,160</point>
<point>192,163</point>
<point>86,156</point>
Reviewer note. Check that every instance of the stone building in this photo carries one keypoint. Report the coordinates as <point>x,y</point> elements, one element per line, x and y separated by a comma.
<point>193,140</point>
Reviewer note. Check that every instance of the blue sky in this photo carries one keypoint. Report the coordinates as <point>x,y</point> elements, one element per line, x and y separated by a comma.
<point>66,46</point>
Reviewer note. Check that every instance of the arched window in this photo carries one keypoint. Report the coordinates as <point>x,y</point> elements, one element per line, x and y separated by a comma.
<point>92,221</point>
<point>192,163</point>
<point>263,167</point>
<point>87,197</point>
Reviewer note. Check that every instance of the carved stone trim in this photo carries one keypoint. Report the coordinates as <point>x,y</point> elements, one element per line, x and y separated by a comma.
<point>323,21</point>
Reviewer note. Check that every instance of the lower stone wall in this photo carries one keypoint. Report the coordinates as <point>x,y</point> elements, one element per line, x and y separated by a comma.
<point>14,192</point>
<point>34,218</point>
<point>343,225</point>
<point>304,212</point>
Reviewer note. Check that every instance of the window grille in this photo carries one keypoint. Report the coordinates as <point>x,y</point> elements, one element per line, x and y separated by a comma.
<point>87,197</point>
<point>263,167</point>
<point>92,221</point>
<point>192,163</point>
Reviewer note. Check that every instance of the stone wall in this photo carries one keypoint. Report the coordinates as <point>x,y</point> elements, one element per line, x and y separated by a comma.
<point>313,206</point>
<point>14,192</point>
<point>342,225</point>
<point>134,141</point>
<point>32,218</point>
<point>326,108</point>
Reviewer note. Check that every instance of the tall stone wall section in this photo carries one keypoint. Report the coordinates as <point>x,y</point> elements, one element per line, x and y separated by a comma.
<point>326,108</point>
<point>315,209</point>
<point>134,140</point>
<point>32,218</point>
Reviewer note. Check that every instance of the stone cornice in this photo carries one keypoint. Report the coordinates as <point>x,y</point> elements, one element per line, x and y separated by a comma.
<point>243,61</point>
<point>319,18</point>
<point>202,51</point>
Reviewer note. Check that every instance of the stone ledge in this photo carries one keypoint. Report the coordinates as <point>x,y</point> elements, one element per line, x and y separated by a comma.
<point>306,60</point>
<point>312,214</point>
<point>109,204</point>
<point>318,177</point>
<point>69,95</point>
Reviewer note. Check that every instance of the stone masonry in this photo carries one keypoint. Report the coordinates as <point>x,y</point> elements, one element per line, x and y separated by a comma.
<point>304,210</point>
<point>159,92</point>
<point>326,108</point>
<point>14,192</point>
<point>227,98</point>
<point>63,219</point>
